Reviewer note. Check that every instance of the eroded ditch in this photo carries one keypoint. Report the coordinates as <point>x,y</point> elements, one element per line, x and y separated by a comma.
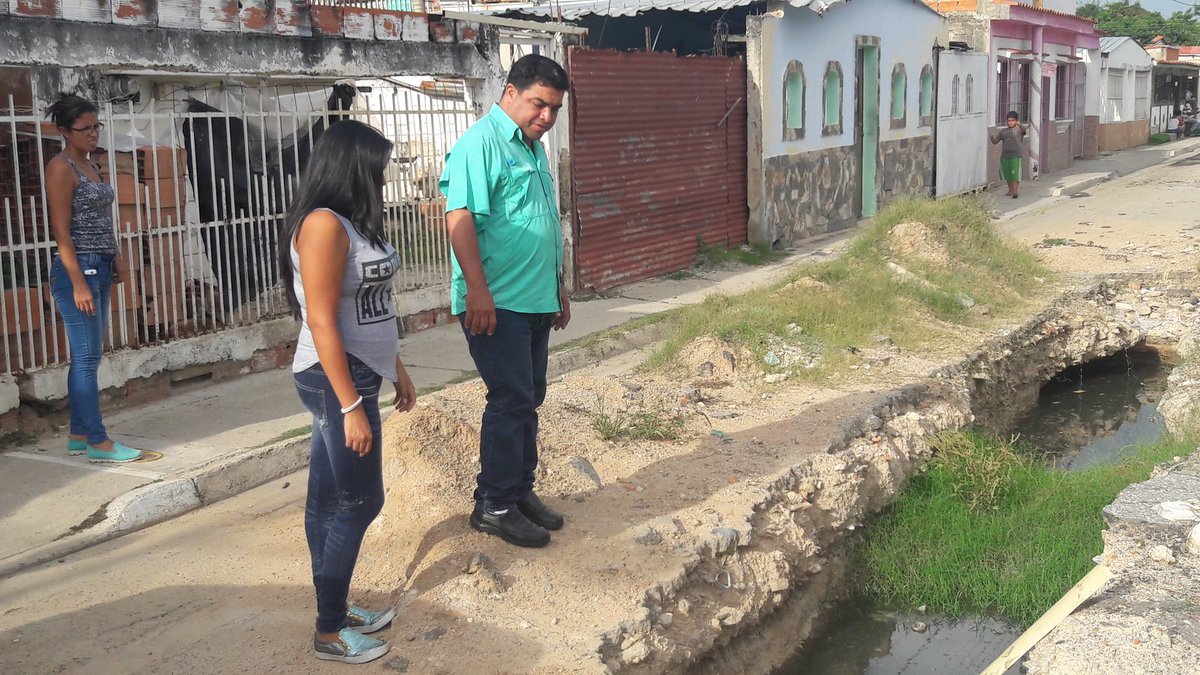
<point>725,549</point>
<point>997,387</point>
<point>1090,414</point>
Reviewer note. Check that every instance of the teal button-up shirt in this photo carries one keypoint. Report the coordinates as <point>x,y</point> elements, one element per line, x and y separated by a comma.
<point>508,188</point>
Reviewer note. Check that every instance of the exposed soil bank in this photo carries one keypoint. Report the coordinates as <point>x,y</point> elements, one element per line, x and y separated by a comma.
<point>717,552</point>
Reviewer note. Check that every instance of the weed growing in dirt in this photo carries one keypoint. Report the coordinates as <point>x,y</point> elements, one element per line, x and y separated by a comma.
<point>878,287</point>
<point>718,256</point>
<point>17,438</point>
<point>985,531</point>
<point>641,425</point>
<point>287,435</point>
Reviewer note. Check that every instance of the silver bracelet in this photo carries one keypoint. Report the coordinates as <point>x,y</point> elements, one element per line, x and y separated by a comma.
<point>350,408</point>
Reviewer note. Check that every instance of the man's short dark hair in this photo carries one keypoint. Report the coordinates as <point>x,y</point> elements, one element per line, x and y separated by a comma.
<point>534,69</point>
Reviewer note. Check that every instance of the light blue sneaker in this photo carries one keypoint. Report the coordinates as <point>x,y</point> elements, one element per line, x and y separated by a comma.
<point>350,647</point>
<point>119,453</point>
<point>76,447</point>
<point>365,621</point>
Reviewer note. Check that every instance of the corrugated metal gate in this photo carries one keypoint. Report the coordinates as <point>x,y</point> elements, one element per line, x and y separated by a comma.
<point>658,152</point>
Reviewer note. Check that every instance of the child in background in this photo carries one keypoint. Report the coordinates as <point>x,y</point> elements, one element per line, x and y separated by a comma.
<point>1010,155</point>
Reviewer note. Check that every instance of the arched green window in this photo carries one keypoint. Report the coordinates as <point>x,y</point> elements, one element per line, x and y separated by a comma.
<point>833,99</point>
<point>899,97</point>
<point>927,96</point>
<point>793,102</point>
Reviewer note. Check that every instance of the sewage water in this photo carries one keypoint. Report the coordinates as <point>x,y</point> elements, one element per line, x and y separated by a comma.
<point>1090,415</point>
<point>1085,416</point>
<point>865,641</point>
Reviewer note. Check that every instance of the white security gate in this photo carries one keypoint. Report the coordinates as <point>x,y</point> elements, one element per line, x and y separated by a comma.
<point>962,122</point>
<point>203,178</point>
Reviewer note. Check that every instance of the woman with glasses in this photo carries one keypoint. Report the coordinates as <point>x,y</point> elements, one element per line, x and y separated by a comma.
<point>82,271</point>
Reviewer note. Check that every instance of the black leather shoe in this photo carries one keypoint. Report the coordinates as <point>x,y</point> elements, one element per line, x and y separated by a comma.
<point>511,526</point>
<point>539,513</point>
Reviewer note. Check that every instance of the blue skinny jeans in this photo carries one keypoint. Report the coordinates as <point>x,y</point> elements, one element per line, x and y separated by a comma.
<point>345,491</point>
<point>85,334</point>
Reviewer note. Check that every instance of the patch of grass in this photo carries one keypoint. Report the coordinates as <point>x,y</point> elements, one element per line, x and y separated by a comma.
<point>985,531</point>
<point>17,439</point>
<point>609,334</point>
<point>843,302</point>
<point>642,425</point>
<point>1054,241</point>
<point>1159,139</point>
<point>680,275</point>
<point>719,256</point>
<point>288,435</point>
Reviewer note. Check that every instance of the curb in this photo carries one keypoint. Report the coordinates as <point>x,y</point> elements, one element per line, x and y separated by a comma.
<point>1079,186</point>
<point>166,499</point>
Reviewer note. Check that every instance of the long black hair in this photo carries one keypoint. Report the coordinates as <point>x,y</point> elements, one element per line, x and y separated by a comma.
<point>69,108</point>
<point>345,175</point>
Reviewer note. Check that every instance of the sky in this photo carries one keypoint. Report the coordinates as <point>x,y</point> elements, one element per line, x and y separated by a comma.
<point>1166,7</point>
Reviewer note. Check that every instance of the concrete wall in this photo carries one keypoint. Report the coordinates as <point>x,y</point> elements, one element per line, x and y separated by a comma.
<point>1126,61</point>
<point>10,394</point>
<point>906,35</point>
<point>71,44</point>
<point>1091,136</point>
<point>236,345</point>
<point>1121,135</point>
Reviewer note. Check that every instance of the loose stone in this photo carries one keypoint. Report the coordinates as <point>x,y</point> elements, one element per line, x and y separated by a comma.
<point>1162,554</point>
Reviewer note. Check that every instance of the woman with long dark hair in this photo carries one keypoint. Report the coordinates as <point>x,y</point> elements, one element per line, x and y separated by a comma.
<point>337,269</point>
<point>81,274</point>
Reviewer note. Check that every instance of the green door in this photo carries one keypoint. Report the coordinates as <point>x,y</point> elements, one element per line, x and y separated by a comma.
<point>868,126</point>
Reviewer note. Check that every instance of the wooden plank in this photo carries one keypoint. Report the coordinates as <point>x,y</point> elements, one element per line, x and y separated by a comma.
<point>1073,598</point>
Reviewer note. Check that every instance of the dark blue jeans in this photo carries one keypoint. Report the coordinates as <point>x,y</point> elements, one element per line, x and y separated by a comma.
<point>345,491</point>
<point>512,363</point>
<point>85,334</point>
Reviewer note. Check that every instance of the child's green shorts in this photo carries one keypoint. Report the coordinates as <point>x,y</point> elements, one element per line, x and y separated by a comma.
<point>1010,169</point>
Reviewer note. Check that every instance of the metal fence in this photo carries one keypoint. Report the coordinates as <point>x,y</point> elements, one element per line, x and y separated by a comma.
<point>388,5</point>
<point>202,181</point>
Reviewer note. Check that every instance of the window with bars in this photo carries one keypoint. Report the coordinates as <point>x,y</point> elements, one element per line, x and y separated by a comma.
<point>793,102</point>
<point>1012,89</point>
<point>899,97</point>
<point>927,96</point>
<point>832,117</point>
<point>969,97</point>
<point>1064,92</point>
<point>955,85</point>
<point>1115,95</point>
<point>1141,102</point>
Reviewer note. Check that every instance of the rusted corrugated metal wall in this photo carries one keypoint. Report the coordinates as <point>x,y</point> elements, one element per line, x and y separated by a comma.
<point>658,153</point>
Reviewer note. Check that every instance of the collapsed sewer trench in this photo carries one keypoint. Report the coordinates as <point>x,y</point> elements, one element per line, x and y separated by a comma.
<point>741,560</point>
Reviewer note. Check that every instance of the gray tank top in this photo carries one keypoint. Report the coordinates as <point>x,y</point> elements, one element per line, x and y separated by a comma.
<point>366,317</point>
<point>91,215</point>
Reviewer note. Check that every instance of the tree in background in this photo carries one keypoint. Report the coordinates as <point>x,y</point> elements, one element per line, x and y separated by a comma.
<point>1130,19</point>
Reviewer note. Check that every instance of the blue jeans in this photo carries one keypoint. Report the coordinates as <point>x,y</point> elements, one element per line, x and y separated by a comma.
<point>345,491</point>
<point>85,334</point>
<point>512,363</point>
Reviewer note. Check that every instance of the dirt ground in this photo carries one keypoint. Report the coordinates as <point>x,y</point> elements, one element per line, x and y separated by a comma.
<point>226,589</point>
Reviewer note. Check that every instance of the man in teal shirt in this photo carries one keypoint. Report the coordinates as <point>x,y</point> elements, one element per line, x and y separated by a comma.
<point>507,288</point>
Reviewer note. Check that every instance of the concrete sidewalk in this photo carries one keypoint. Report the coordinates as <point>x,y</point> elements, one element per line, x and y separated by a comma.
<point>219,440</point>
<point>1086,173</point>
